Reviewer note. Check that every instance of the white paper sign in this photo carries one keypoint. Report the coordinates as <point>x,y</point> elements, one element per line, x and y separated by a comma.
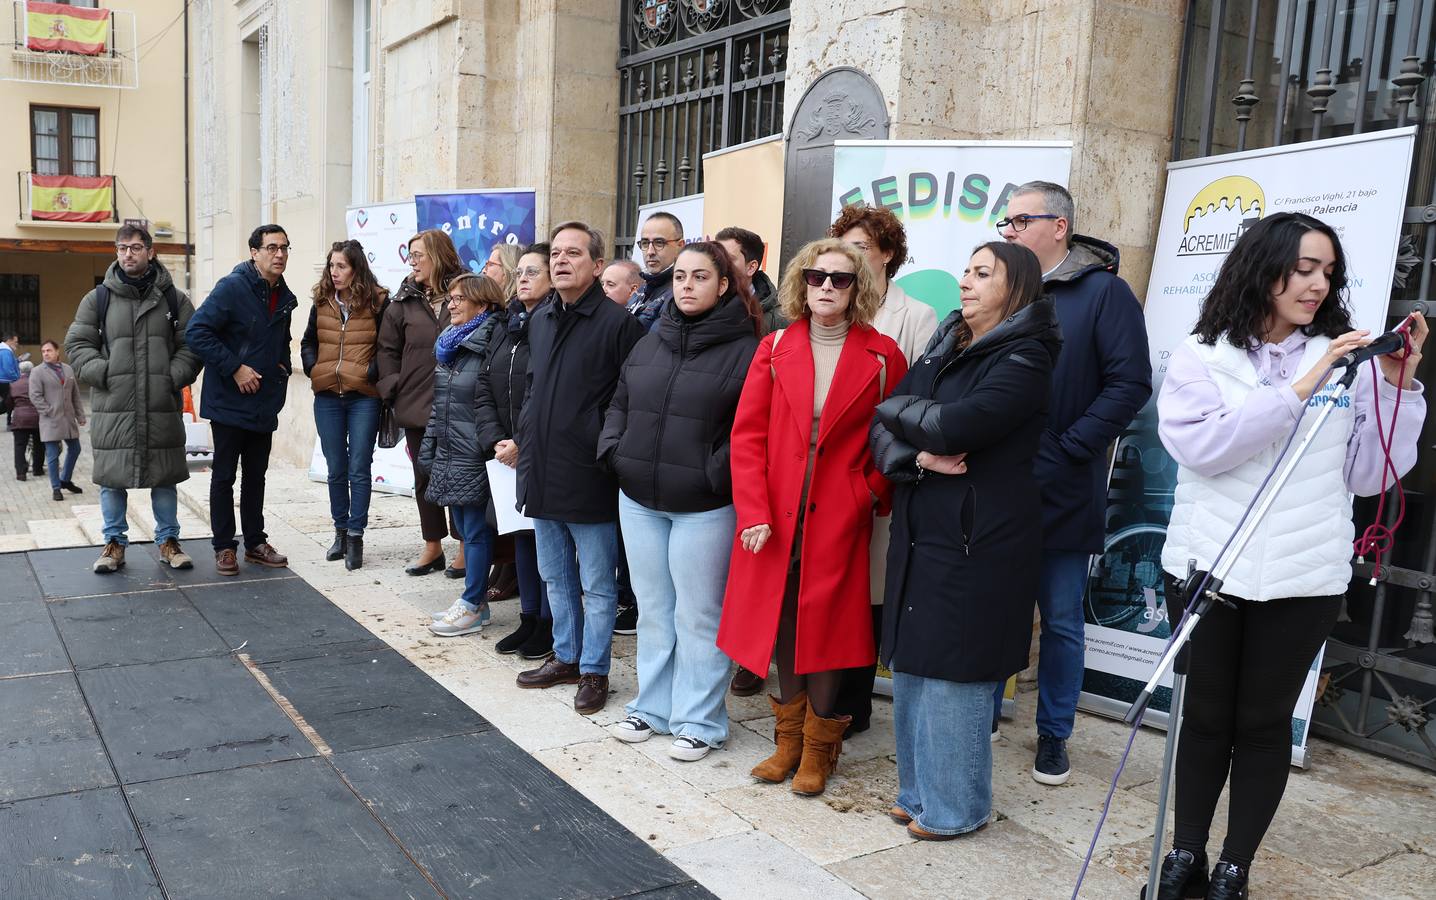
<point>504,487</point>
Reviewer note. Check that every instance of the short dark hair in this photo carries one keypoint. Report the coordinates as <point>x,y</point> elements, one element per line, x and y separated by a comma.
<point>668,217</point>
<point>49,343</point>
<point>539,247</point>
<point>8,333</point>
<point>595,237</point>
<point>749,241</point>
<point>256,237</point>
<point>882,226</point>
<point>130,231</point>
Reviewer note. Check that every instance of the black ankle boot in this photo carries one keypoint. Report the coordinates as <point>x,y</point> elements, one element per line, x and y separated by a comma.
<point>540,643</point>
<point>336,549</point>
<point>1229,882</point>
<point>354,552</point>
<point>1184,875</point>
<point>528,624</point>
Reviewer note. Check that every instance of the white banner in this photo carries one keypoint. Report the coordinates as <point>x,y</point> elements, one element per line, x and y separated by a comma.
<point>1357,185</point>
<point>390,472</point>
<point>948,194</point>
<point>384,229</point>
<point>689,211</point>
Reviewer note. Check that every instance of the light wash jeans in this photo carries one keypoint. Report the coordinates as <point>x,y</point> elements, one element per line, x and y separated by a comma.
<point>52,461</point>
<point>164,503</point>
<point>1062,656</point>
<point>473,526</point>
<point>679,566</point>
<point>579,563</point>
<point>944,751</point>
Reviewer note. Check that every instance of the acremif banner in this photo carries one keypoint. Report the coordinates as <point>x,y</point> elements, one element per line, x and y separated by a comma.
<point>384,229</point>
<point>688,210</point>
<point>948,194</point>
<point>477,220</point>
<point>1355,184</point>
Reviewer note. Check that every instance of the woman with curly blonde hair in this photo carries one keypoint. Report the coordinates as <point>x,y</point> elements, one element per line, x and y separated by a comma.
<point>804,488</point>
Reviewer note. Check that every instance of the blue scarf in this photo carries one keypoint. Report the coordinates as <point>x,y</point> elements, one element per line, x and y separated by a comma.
<point>447,346</point>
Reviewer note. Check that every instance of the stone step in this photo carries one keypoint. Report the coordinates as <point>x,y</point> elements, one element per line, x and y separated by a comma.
<point>12,543</point>
<point>52,533</point>
<point>90,520</point>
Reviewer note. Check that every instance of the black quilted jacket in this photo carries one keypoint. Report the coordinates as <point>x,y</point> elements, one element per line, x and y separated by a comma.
<point>452,452</point>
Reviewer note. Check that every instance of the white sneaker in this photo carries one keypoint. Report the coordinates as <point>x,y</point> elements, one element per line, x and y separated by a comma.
<point>460,622</point>
<point>689,749</point>
<point>631,730</point>
<point>458,607</point>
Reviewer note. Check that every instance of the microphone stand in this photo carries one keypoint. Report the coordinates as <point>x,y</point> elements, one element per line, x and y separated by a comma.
<point>1200,591</point>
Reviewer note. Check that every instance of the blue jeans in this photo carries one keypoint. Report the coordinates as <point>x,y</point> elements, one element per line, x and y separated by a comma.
<point>533,593</point>
<point>164,503</point>
<point>52,460</point>
<point>1062,650</point>
<point>944,751</point>
<point>473,527</point>
<point>348,425</point>
<point>679,566</point>
<point>579,563</point>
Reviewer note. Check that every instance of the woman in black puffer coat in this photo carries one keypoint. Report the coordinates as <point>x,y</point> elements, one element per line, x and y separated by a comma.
<point>666,437</point>
<point>452,452</point>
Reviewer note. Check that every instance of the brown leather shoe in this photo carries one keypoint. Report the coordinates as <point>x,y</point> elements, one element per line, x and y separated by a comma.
<point>552,672</point>
<point>111,558</point>
<point>899,815</point>
<point>787,740</point>
<point>923,834</point>
<point>175,557</point>
<point>225,563</point>
<point>822,745</point>
<point>265,555</point>
<point>745,683</point>
<point>592,694</point>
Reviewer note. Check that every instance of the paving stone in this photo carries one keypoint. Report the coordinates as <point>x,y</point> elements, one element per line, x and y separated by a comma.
<point>1001,860</point>
<point>360,700</point>
<point>1400,876</point>
<point>73,846</point>
<point>721,769</point>
<point>754,864</point>
<point>196,715</point>
<point>17,543</point>
<point>535,720</point>
<point>283,830</point>
<point>49,745</point>
<point>276,619</point>
<point>68,573</point>
<point>1304,830</point>
<point>50,533</point>
<point>18,580</point>
<point>28,642</point>
<point>485,819</point>
<point>133,628</point>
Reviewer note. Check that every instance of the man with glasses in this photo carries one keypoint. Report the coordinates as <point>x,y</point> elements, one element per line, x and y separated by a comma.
<point>1102,378</point>
<point>660,241</point>
<point>241,331</point>
<point>127,344</point>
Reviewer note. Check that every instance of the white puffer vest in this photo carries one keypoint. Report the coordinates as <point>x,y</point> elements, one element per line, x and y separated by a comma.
<point>1303,546</point>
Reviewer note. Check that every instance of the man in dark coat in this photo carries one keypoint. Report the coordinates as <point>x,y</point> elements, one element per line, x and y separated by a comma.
<point>1100,383</point>
<point>745,248</point>
<point>660,240</point>
<point>578,341</point>
<point>241,331</point>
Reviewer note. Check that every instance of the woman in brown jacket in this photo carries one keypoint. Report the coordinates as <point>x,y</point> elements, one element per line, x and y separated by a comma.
<point>339,355</point>
<point>407,333</point>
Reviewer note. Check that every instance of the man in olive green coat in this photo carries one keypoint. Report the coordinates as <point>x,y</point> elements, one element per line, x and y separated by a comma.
<point>136,370</point>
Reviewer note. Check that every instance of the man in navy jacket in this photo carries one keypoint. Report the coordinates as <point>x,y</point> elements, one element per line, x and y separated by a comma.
<point>1102,379</point>
<point>241,331</point>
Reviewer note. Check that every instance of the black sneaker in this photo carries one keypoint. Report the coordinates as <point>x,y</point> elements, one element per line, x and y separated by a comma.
<point>528,624</point>
<point>1184,876</point>
<point>626,622</point>
<point>1051,766</point>
<point>540,643</point>
<point>1229,882</point>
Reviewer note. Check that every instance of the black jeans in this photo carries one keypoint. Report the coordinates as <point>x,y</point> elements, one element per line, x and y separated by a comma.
<point>855,694</point>
<point>1246,667</point>
<point>29,437</point>
<point>234,447</point>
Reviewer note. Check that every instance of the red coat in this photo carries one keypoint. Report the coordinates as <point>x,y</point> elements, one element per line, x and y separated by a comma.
<point>772,431</point>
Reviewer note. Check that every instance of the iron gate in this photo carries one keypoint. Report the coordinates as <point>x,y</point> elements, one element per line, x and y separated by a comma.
<point>694,76</point>
<point>1298,70</point>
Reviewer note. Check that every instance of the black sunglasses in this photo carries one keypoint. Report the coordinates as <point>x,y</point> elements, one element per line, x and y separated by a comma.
<point>841,280</point>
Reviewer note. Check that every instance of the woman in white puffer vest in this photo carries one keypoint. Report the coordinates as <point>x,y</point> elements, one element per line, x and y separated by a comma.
<point>1274,322</point>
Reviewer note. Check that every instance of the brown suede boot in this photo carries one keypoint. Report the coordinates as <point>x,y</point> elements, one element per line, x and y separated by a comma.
<point>822,745</point>
<point>788,735</point>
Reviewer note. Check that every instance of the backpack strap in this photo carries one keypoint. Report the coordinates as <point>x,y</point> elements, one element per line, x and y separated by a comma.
<point>102,310</point>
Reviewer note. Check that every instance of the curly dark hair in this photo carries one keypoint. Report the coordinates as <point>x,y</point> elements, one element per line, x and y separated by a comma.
<point>881,225</point>
<point>1240,302</point>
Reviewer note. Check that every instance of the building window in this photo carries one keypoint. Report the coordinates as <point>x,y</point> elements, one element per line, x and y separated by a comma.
<point>20,306</point>
<point>64,141</point>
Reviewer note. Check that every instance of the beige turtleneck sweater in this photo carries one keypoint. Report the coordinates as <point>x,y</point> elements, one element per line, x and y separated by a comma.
<point>827,342</point>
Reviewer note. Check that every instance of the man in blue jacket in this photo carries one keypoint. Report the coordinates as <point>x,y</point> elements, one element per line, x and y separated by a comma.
<point>241,331</point>
<point>1102,379</point>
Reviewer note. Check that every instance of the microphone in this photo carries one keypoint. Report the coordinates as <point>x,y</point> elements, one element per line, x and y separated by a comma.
<point>1389,342</point>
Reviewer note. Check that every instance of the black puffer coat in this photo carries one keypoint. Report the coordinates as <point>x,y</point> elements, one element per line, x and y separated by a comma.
<point>501,394</point>
<point>962,573</point>
<point>666,433</point>
<point>452,452</point>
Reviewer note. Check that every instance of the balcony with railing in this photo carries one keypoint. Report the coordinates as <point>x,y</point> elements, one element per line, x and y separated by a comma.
<point>52,43</point>
<point>67,199</point>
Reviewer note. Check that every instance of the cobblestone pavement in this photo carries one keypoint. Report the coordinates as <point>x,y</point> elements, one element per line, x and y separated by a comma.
<point>30,500</point>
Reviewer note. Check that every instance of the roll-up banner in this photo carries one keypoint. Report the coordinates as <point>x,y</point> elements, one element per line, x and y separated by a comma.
<point>743,186</point>
<point>948,194</point>
<point>478,219</point>
<point>384,230</point>
<point>1357,185</point>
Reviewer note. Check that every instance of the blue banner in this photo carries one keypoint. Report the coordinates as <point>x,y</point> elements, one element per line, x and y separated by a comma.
<point>477,220</point>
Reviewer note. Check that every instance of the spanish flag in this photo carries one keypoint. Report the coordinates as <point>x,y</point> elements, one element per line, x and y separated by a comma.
<point>72,198</point>
<point>71,29</point>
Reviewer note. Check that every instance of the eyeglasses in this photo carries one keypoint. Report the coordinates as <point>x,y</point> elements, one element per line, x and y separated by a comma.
<point>530,272</point>
<point>841,280</point>
<point>655,243</point>
<point>274,249</point>
<point>1020,223</point>
<point>417,254</point>
<point>456,299</point>
<point>863,246</point>
<point>130,248</point>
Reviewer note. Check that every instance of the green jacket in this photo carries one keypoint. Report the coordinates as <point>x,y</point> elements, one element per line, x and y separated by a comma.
<point>137,431</point>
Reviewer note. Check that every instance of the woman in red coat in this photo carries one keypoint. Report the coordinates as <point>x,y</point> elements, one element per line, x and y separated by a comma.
<point>805,490</point>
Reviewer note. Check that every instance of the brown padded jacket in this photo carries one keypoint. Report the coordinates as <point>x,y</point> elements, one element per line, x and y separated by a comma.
<point>340,356</point>
<point>406,354</point>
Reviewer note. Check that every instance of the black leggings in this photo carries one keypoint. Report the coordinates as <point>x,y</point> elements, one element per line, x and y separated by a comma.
<point>1245,672</point>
